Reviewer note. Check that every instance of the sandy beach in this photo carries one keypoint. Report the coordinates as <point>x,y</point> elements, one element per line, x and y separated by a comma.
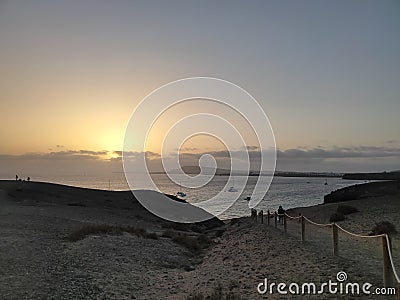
<point>149,258</point>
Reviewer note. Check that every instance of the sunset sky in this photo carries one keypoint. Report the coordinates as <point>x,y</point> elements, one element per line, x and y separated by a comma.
<point>327,74</point>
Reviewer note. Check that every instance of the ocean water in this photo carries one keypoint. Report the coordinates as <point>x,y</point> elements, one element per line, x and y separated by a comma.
<point>289,192</point>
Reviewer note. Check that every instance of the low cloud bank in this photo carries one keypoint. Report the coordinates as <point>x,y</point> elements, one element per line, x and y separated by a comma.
<point>336,159</point>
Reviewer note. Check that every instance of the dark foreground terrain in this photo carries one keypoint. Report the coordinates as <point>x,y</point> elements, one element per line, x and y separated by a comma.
<point>59,242</point>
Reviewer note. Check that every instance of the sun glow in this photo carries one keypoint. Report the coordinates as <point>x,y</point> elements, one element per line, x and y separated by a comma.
<point>111,141</point>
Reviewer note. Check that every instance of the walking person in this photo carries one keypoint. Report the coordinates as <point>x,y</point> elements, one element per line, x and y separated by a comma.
<point>281,213</point>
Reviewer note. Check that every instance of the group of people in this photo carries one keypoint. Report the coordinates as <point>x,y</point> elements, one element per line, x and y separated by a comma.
<point>17,178</point>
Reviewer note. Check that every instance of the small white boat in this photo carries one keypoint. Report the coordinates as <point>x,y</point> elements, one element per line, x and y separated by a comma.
<point>232,189</point>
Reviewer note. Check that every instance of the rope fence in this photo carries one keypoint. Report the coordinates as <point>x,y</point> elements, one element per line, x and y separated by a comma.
<point>389,270</point>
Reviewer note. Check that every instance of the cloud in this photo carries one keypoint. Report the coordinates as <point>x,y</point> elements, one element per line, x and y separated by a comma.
<point>355,158</point>
<point>152,154</point>
<point>392,141</point>
<point>58,155</point>
<point>252,148</point>
<point>340,152</point>
<point>136,154</point>
<point>187,149</point>
<point>103,152</point>
<point>340,159</point>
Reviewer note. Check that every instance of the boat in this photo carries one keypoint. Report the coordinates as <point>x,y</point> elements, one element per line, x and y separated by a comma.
<point>248,198</point>
<point>232,189</point>
<point>181,194</point>
<point>326,182</point>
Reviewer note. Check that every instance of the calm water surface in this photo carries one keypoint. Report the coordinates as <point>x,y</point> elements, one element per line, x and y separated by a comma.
<point>286,191</point>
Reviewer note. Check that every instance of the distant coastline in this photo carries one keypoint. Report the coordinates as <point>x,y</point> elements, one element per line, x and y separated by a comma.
<point>195,170</point>
<point>395,175</point>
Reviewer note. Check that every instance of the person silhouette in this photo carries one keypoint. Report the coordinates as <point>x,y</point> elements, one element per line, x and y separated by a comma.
<point>28,179</point>
<point>281,213</point>
<point>16,177</point>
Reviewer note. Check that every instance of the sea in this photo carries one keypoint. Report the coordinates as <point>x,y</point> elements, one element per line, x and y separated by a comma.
<point>290,192</point>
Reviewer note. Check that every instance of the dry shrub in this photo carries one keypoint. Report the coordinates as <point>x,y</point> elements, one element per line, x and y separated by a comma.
<point>336,217</point>
<point>384,227</point>
<point>189,242</point>
<point>347,209</point>
<point>194,244</point>
<point>92,229</point>
<point>176,226</point>
<point>217,294</point>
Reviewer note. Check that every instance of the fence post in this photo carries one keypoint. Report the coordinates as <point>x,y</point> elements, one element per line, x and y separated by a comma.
<point>335,239</point>
<point>284,223</point>
<point>387,266</point>
<point>261,214</point>
<point>303,229</point>
<point>268,216</point>
<point>276,219</point>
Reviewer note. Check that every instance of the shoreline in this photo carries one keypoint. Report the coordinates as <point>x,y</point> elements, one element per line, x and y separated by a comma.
<point>374,189</point>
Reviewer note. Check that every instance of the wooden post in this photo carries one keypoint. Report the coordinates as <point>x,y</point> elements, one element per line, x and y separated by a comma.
<point>261,214</point>
<point>335,240</point>
<point>268,216</point>
<point>303,229</point>
<point>284,222</point>
<point>276,219</point>
<point>387,266</point>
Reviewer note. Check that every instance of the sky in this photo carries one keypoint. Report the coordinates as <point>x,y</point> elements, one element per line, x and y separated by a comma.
<point>327,74</point>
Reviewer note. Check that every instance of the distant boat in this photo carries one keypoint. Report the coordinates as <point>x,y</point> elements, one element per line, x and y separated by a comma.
<point>248,198</point>
<point>326,182</point>
<point>232,189</point>
<point>181,194</point>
